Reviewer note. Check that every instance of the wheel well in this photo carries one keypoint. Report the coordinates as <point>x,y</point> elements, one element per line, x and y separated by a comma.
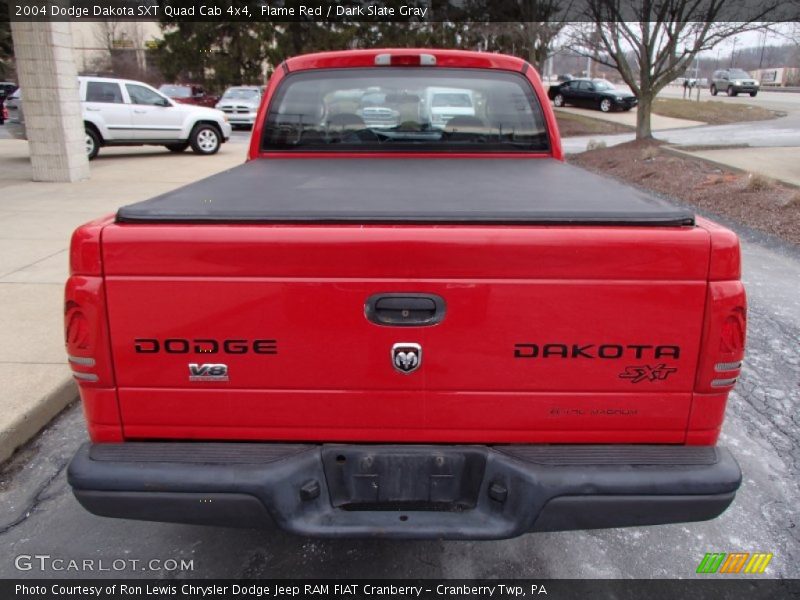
<point>214,124</point>
<point>93,127</point>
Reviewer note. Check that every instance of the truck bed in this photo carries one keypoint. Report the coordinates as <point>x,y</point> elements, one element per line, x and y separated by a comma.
<point>413,191</point>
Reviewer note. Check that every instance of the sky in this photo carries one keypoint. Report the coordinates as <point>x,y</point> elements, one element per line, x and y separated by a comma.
<point>782,33</point>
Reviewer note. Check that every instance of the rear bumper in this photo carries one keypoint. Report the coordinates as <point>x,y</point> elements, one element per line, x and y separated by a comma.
<point>455,492</point>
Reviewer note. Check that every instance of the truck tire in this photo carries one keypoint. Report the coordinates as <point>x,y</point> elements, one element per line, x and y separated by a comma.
<point>92,143</point>
<point>205,139</point>
<point>713,90</point>
<point>177,147</point>
<point>731,91</point>
<point>753,94</point>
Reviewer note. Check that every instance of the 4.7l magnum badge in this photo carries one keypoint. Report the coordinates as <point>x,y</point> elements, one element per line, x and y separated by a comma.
<point>406,357</point>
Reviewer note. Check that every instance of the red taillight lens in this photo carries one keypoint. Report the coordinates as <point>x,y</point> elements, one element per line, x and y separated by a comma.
<point>731,339</point>
<point>85,332</point>
<point>76,326</point>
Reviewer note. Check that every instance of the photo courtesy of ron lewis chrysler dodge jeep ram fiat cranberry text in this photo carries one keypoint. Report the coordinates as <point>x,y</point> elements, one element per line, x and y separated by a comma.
<point>405,315</point>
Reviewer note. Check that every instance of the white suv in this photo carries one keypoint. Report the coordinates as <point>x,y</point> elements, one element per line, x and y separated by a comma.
<point>120,112</point>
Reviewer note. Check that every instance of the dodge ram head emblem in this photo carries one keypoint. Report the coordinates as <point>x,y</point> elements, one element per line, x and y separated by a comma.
<point>406,357</point>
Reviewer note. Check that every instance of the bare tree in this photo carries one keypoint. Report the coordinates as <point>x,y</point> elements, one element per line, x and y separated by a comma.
<point>124,43</point>
<point>651,42</point>
<point>531,40</point>
<point>524,28</point>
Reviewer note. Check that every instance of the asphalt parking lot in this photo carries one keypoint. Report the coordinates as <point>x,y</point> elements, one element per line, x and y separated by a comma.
<point>40,516</point>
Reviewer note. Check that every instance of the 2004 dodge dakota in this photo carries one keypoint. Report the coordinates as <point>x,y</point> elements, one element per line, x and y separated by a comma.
<point>405,316</point>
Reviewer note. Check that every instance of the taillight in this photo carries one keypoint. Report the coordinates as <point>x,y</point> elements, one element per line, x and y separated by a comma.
<point>724,334</point>
<point>86,333</point>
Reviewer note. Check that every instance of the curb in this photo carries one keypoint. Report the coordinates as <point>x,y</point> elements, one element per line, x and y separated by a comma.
<point>678,152</point>
<point>36,417</point>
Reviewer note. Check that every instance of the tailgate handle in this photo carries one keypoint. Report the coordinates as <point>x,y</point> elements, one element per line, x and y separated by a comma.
<point>405,310</point>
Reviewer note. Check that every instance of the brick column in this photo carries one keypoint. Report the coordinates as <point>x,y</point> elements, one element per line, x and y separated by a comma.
<point>50,102</point>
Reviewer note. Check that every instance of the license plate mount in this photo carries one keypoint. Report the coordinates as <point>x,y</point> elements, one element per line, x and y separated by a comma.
<point>403,477</point>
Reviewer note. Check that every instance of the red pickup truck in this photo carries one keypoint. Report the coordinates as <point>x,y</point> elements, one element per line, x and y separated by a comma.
<point>419,328</point>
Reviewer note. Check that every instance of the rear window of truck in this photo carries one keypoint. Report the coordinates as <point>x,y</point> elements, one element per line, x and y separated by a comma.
<point>405,109</point>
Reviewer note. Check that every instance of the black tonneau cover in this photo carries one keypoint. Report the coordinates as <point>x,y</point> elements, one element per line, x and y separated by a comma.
<point>440,190</point>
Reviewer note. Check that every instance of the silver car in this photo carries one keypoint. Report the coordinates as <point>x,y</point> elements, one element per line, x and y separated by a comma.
<point>16,119</point>
<point>240,104</point>
<point>733,82</point>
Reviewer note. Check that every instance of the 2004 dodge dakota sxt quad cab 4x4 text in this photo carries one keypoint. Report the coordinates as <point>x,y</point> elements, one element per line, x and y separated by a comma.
<point>406,320</point>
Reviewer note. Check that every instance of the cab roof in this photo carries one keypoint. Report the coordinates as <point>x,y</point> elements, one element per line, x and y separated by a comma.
<point>444,58</point>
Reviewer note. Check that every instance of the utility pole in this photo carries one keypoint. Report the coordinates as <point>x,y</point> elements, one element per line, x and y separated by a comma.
<point>733,53</point>
<point>595,50</point>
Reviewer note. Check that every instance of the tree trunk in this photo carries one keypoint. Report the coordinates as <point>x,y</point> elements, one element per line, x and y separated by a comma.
<point>541,64</point>
<point>643,130</point>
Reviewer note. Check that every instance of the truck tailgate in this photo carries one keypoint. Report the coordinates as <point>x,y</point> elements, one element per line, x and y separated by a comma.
<point>550,333</point>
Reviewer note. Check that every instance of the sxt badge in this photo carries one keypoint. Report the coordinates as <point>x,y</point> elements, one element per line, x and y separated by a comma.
<point>406,357</point>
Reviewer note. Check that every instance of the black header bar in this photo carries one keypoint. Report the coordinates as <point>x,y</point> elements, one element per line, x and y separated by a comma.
<point>422,11</point>
<point>423,589</point>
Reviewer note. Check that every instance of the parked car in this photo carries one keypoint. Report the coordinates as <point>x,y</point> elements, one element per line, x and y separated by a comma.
<point>189,94</point>
<point>374,108</point>
<point>442,105</point>
<point>6,89</point>
<point>565,77</point>
<point>122,112</point>
<point>733,82</point>
<point>591,93</point>
<point>15,123</point>
<point>362,340</point>
<point>241,104</point>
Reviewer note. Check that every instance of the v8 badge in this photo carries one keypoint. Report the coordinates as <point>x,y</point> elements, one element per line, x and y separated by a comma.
<point>208,372</point>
